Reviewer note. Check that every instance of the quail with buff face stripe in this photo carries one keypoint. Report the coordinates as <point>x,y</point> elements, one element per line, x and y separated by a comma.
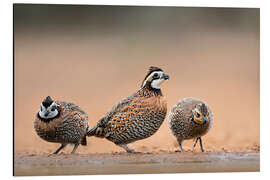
<point>190,118</point>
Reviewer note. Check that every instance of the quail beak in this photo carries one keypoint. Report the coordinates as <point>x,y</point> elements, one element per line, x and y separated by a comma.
<point>204,120</point>
<point>201,121</point>
<point>46,113</point>
<point>165,76</point>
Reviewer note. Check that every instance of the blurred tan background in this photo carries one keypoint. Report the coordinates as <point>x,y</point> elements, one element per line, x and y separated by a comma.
<point>94,56</point>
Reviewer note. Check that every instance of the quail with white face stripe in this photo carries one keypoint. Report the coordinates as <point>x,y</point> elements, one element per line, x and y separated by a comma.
<point>136,117</point>
<point>48,112</point>
<point>156,78</point>
<point>61,122</point>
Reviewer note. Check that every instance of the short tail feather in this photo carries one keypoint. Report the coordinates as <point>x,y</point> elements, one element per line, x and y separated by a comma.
<point>96,131</point>
<point>92,131</point>
<point>83,141</point>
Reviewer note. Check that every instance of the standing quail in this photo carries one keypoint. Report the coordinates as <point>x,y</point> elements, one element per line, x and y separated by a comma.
<point>61,122</point>
<point>136,117</point>
<point>190,118</point>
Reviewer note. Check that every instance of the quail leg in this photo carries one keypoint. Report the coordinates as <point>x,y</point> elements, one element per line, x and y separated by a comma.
<point>59,149</point>
<point>201,144</point>
<point>180,141</point>
<point>194,145</point>
<point>75,148</point>
<point>199,138</point>
<point>129,150</point>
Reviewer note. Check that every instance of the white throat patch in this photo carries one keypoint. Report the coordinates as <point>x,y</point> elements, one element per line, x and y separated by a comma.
<point>156,83</point>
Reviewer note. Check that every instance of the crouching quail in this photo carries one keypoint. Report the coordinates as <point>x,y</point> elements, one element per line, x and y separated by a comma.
<point>136,117</point>
<point>190,118</point>
<point>61,122</point>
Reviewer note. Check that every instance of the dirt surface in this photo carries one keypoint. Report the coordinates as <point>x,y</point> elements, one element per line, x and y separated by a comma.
<point>27,164</point>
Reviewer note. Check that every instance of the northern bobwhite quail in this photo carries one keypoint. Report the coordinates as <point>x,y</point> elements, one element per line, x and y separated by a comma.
<point>136,117</point>
<point>61,122</point>
<point>190,118</point>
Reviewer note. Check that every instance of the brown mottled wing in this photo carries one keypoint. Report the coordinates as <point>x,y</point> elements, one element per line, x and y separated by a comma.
<point>72,125</point>
<point>138,119</point>
<point>115,109</point>
<point>178,120</point>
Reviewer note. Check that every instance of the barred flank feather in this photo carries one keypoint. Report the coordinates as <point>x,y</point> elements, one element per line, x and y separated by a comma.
<point>69,127</point>
<point>181,120</point>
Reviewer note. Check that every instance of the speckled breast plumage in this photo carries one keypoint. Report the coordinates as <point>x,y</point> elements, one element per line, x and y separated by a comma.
<point>134,118</point>
<point>180,123</point>
<point>69,127</point>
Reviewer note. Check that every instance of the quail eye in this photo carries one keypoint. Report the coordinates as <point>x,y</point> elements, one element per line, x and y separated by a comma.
<point>198,115</point>
<point>53,109</point>
<point>155,75</point>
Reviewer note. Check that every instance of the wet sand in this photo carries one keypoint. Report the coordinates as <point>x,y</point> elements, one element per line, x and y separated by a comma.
<point>27,164</point>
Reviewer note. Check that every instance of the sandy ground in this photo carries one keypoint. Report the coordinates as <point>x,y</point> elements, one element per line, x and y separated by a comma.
<point>27,164</point>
